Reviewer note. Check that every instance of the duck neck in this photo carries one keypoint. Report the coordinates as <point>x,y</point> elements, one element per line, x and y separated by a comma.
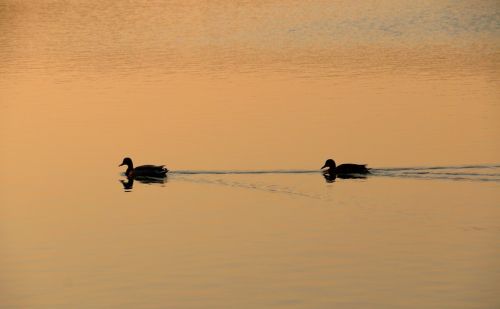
<point>130,168</point>
<point>333,168</point>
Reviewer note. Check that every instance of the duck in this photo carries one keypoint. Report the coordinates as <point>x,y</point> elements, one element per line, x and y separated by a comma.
<point>345,169</point>
<point>156,171</point>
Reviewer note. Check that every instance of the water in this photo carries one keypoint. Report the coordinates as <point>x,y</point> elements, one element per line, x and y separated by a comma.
<point>244,101</point>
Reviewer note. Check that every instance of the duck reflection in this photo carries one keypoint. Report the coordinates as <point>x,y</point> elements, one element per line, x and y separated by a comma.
<point>331,177</point>
<point>128,183</point>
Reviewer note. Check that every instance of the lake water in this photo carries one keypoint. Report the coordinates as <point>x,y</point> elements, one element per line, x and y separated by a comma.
<point>244,101</point>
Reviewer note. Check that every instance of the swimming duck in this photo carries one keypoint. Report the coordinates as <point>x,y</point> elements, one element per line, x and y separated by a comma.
<point>158,171</point>
<point>347,168</point>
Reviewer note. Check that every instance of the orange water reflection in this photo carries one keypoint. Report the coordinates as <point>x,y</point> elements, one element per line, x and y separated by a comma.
<point>247,85</point>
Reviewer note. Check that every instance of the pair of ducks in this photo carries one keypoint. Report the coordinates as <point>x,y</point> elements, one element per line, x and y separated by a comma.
<point>160,171</point>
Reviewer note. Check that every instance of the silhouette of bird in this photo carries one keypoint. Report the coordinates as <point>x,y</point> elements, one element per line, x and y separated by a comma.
<point>344,169</point>
<point>157,171</point>
<point>329,178</point>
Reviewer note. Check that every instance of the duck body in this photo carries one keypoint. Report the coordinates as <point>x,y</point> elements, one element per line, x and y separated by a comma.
<point>155,171</point>
<point>345,169</point>
<point>149,171</point>
<point>349,168</point>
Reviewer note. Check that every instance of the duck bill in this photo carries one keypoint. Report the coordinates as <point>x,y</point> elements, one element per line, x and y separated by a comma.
<point>324,166</point>
<point>121,164</point>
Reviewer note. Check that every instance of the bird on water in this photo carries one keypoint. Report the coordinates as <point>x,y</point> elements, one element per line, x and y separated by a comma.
<point>157,171</point>
<point>344,169</point>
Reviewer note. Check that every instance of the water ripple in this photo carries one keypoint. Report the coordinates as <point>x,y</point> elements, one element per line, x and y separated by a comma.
<point>471,172</point>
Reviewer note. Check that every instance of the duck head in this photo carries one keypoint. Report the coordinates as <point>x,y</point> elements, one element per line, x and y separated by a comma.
<point>330,164</point>
<point>127,162</point>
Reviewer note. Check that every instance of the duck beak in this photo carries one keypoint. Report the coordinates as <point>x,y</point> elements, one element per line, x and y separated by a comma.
<point>121,164</point>
<point>324,166</point>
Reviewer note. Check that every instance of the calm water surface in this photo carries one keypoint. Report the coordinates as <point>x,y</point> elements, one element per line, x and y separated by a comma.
<point>244,101</point>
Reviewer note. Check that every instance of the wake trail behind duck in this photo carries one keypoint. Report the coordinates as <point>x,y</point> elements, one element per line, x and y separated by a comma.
<point>243,172</point>
<point>470,172</point>
<point>490,172</point>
